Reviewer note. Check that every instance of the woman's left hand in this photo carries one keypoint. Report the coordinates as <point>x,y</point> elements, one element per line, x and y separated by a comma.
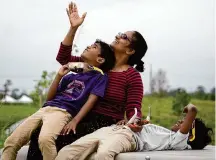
<point>136,126</point>
<point>122,122</point>
<point>75,19</point>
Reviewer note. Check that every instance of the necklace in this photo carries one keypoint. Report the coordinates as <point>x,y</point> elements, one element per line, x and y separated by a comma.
<point>120,69</point>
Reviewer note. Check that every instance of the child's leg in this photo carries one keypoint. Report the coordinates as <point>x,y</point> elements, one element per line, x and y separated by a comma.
<point>53,122</point>
<point>120,141</point>
<point>83,147</point>
<point>21,135</point>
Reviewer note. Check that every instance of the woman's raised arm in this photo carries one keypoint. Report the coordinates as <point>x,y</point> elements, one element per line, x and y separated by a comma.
<point>64,55</point>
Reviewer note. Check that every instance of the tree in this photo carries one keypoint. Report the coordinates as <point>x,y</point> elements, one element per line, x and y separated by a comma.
<point>173,92</point>
<point>181,99</point>
<point>41,88</point>
<point>212,90</point>
<point>7,84</point>
<point>15,93</point>
<point>45,81</point>
<point>200,93</point>
<point>212,94</point>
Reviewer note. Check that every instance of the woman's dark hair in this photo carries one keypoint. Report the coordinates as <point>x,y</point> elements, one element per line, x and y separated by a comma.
<point>108,54</point>
<point>202,137</point>
<point>140,46</point>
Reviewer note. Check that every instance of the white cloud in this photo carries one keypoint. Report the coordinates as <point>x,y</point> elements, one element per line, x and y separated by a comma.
<point>179,33</point>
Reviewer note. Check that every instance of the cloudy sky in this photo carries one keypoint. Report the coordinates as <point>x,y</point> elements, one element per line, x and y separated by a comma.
<point>180,35</point>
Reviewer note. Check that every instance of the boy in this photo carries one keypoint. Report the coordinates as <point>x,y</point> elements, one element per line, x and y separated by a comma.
<point>189,133</point>
<point>72,98</point>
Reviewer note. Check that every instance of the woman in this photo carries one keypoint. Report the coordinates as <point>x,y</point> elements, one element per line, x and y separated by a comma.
<point>124,91</point>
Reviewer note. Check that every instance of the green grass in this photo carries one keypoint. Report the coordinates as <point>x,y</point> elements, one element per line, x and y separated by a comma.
<point>161,112</point>
<point>10,114</point>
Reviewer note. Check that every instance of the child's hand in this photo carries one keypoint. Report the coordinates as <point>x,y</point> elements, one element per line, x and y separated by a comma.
<point>79,67</point>
<point>190,107</point>
<point>63,70</point>
<point>70,126</point>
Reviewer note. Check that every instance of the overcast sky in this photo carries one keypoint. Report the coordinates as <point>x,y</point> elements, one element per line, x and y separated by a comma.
<point>180,35</point>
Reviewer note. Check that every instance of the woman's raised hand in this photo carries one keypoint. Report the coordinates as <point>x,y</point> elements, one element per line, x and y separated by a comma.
<point>75,19</point>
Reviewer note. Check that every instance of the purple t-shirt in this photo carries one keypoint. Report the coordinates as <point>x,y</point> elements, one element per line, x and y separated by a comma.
<point>74,90</point>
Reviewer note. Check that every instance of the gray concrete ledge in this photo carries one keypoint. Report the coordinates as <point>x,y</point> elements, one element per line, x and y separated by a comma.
<point>206,154</point>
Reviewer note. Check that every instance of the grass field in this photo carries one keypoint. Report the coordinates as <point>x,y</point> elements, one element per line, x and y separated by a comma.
<point>161,112</point>
<point>10,114</point>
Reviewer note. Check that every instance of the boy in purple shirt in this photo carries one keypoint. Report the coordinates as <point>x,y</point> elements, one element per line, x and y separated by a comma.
<point>70,96</point>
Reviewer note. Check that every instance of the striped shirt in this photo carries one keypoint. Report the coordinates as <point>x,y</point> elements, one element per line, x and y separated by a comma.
<point>124,91</point>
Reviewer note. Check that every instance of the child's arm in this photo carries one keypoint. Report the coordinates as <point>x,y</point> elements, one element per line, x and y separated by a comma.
<point>86,107</point>
<point>81,114</point>
<point>54,86</point>
<point>97,91</point>
<point>191,112</point>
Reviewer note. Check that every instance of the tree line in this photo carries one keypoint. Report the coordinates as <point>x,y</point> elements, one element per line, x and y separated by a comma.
<point>159,87</point>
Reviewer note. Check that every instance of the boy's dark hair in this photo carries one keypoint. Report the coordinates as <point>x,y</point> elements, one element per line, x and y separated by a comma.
<point>202,137</point>
<point>108,54</point>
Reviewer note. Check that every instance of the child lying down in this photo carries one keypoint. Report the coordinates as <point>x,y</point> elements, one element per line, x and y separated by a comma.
<point>107,142</point>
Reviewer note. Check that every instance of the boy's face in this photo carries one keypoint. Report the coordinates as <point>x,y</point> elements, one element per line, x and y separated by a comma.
<point>92,53</point>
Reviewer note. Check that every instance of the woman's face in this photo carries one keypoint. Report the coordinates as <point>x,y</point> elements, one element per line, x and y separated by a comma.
<point>122,41</point>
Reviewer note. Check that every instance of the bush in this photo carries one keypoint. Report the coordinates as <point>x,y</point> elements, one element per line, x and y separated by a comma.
<point>180,100</point>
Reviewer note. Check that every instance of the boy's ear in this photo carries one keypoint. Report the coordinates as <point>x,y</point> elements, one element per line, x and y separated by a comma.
<point>100,60</point>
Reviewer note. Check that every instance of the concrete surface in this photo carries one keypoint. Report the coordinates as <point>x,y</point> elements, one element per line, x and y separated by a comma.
<point>206,154</point>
